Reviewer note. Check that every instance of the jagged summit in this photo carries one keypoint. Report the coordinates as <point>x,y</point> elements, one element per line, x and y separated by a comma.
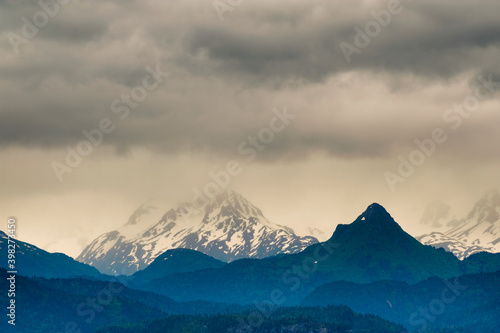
<point>492,196</point>
<point>230,202</point>
<point>374,226</point>
<point>375,211</point>
<point>376,206</point>
<point>227,228</point>
<point>361,251</point>
<point>376,215</point>
<point>376,244</point>
<point>478,231</point>
<point>486,209</point>
<point>142,218</point>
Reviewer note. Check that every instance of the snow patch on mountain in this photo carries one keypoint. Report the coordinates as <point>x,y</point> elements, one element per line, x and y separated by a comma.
<point>478,231</point>
<point>228,228</point>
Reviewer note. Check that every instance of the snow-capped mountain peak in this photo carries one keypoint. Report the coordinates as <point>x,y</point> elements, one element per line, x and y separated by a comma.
<point>478,231</point>
<point>231,203</point>
<point>143,217</point>
<point>487,209</point>
<point>229,227</point>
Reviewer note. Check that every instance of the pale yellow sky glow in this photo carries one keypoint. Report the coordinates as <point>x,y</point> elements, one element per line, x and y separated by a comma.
<point>354,117</point>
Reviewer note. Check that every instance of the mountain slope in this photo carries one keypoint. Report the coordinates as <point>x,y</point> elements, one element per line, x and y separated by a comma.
<point>43,306</point>
<point>461,249</point>
<point>377,248</point>
<point>470,301</point>
<point>228,228</point>
<point>478,231</point>
<point>49,305</point>
<point>482,262</point>
<point>373,247</point>
<point>33,261</point>
<point>175,261</point>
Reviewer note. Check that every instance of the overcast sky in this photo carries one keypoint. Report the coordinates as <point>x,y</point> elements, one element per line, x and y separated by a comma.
<point>358,102</point>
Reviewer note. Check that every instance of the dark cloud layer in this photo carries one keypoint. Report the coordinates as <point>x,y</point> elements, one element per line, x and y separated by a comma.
<point>227,76</point>
<point>354,120</point>
<point>431,39</point>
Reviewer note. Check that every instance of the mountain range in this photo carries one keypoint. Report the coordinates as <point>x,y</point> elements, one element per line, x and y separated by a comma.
<point>372,248</point>
<point>371,265</point>
<point>228,228</point>
<point>85,306</point>
<point>478,231</point>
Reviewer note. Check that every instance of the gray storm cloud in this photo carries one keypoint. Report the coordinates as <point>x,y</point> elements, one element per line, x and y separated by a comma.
<point>225,76</point>
<point>355,116</point>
